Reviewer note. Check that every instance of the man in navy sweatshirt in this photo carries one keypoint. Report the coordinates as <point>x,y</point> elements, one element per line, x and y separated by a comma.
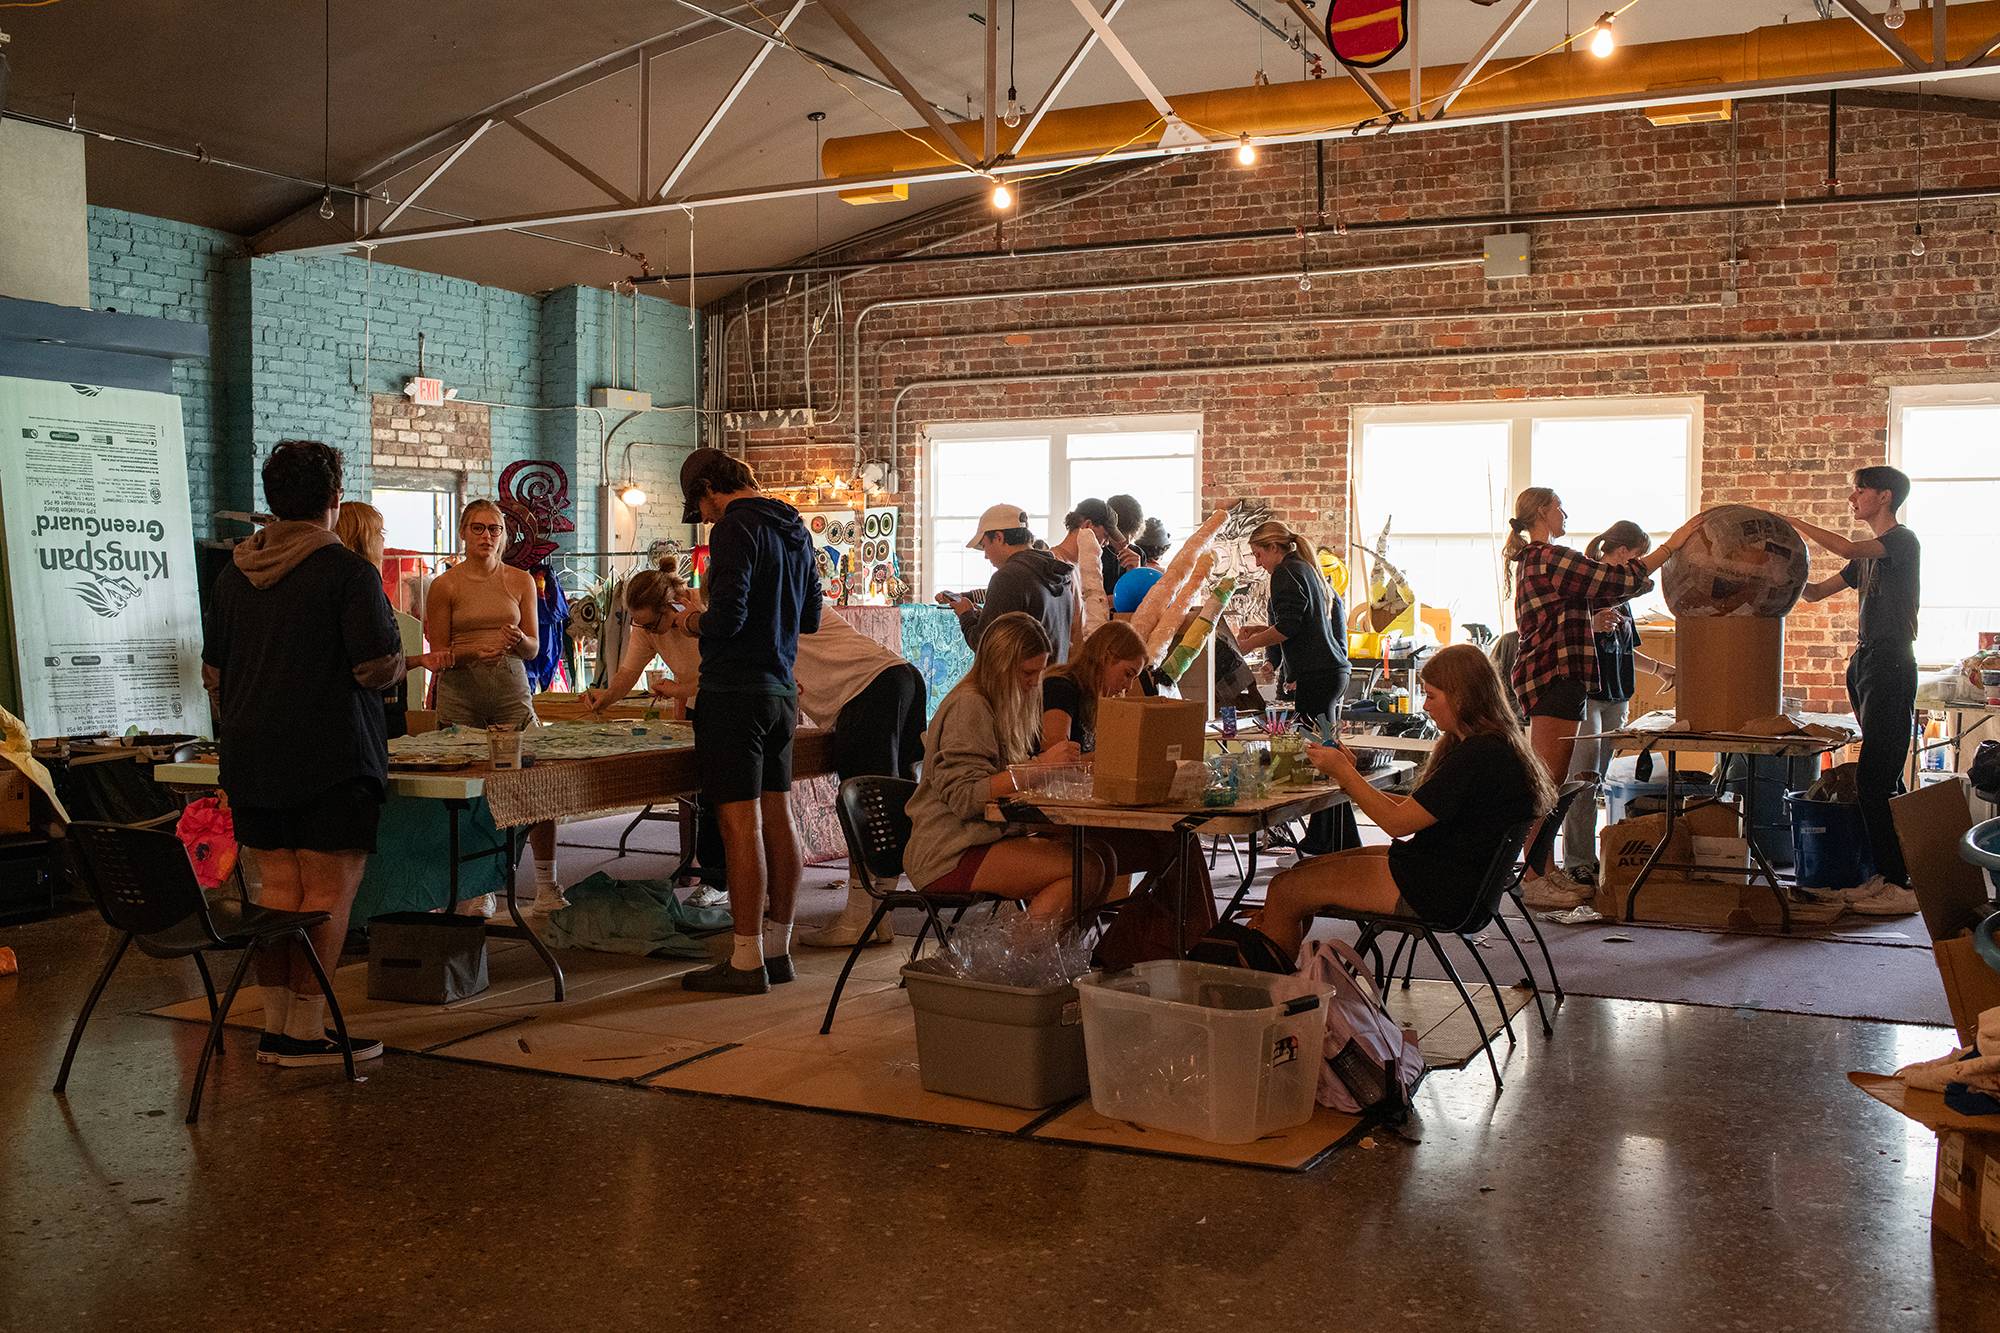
<point>763,592</point>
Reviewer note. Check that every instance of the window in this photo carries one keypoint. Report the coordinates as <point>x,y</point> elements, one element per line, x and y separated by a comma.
<point>416,519</point>
<point>1947,437</point>
<point>1444,479</point>
<point>1046,467</point>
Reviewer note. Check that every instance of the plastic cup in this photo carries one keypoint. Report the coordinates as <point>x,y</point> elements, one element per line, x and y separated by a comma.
<point>505,744</point>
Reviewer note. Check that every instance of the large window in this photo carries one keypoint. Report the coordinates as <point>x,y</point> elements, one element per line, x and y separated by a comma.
<point>1444,479</point>
<point>418,518</point>
<point>1947,437</point>
<point>1046,467</point>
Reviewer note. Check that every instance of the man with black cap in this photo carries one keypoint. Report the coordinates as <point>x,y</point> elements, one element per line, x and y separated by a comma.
<point>762,594</point>
<point>1024,579</point>
<point>1114,549</point>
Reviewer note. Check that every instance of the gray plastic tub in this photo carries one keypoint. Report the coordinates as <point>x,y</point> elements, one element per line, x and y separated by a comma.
<point>1014,1045</point>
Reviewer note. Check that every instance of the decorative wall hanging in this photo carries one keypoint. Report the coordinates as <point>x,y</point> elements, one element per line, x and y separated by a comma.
<point>1367,33</point>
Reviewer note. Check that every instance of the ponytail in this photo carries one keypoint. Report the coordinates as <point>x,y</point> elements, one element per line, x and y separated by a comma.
<point>1622,535</point>
<point>1274,533</point>
<point>1527,504</point>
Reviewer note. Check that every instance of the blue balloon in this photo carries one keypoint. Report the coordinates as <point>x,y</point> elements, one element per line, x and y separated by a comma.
<point>1133,585</point>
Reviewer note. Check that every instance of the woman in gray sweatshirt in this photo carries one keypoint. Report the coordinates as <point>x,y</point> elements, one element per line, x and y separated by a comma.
<point>989,721</point>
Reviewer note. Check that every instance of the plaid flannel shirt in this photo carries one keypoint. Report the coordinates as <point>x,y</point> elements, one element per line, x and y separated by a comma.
<point>1556,590</point>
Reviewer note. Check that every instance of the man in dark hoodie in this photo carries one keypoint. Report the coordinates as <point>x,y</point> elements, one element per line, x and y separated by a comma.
<point>299,645</point>
<point>763,592</point>
<point>1024,579</point>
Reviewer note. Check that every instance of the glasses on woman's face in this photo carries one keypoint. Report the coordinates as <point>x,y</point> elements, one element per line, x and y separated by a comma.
<point>484,529</point>
<point>646,620</point>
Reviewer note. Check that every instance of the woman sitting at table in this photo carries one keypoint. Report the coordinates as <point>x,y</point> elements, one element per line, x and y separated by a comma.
<point>1481,780</point>
<point>483,612</point>
<point>1106,665</point>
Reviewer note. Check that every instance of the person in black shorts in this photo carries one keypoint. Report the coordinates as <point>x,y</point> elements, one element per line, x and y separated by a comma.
<point>763,592</point>
<point>1882,673</point>
<point>299,643</point>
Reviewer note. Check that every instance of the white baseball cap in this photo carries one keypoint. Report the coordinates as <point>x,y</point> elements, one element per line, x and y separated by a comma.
<point>997,518</point>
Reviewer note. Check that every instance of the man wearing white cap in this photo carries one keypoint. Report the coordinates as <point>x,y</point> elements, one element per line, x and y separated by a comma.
<point>1024,579</point>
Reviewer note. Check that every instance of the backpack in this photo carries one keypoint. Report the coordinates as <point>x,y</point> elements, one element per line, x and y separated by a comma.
<point>1145,929</point>
<point>1233,944</point>
<point>1985,770</point>
<point>1371,1062</point>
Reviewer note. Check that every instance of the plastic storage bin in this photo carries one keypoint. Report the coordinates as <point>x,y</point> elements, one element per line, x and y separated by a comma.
<point>1830,842</point>
<point>1215,1053</point>
<point>426,957</point>
<point>1015,1045</point>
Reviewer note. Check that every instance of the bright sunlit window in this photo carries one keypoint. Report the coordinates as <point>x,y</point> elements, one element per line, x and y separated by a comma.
<point>417,520</point>
<point>1947,437</point>
<point>1444,479</point>
<point>1046,467</point>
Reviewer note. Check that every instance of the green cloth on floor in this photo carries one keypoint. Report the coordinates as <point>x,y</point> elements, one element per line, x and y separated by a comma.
<point>632,916</point>
<point>411,869</point>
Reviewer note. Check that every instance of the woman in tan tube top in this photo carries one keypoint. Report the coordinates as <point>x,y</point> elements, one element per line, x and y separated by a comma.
<point>483,613</point>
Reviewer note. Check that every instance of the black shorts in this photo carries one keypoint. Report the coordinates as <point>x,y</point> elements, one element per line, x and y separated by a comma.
<point>743,744</point>
<point>343,818</point>
<point>1562,699</point>
<point>881,730</point>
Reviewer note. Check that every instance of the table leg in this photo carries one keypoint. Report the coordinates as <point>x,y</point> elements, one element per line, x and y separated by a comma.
<point>1660,850</point>
<point>451,812</point>
<point>1188,849</point>
<point>534,940</point>
<point>1757,859</point>
<point>1243,888</point>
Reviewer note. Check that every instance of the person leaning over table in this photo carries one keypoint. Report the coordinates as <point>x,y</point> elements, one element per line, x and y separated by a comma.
<point>298,645</point>
<point>1479,781</point>
<point>361,530</point>
<point>483,612</point>
<point>1024,579</point>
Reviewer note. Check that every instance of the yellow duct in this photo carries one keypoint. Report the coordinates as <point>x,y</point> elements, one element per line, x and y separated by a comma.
<point>1791,51</point>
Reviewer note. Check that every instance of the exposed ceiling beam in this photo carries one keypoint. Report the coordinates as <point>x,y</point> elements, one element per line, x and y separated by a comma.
<point>813,56</point>
<point>728,100</point>
<point>1706,92</point>
<point>1939,10</point>
<point>1361,77</point>
<point>1470,70</point>
<point>992,117</point>
<point>1888,40</point>
<point>1062,78</point>
<point>450,161</point>
<point>1126,60</point>
<point>1984,53</point>
<point>1975,108</point>
<point>837,11</point>
<point>559,154</point>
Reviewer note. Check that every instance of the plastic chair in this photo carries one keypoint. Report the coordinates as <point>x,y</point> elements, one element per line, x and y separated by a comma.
<point>875,821</point>
<point>1981,845</point>
<point>145,889</point>
<point>1485,908</point>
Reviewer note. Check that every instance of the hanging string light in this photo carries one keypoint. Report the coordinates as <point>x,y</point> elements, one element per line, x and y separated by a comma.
<point>1012,118</point>
<point>326,112</point>
<point>1602,42</point>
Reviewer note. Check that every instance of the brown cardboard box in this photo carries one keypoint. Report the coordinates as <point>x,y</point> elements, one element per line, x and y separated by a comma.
<point>1970,986</point>
<point>1728,670</point>
<point>16,800</point>
<point>1673,896</point>
<point>1138,743</point>
<point>1965,1205</point>
<point>1656,640</point>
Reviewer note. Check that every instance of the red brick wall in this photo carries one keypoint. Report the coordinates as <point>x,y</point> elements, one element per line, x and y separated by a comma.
<point>1782,426</point>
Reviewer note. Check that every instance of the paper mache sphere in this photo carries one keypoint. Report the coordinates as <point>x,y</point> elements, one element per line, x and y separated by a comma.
<point>1739,562</point>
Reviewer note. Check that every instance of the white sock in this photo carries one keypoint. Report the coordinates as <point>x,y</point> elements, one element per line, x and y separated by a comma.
<point>777,938</point>
<point>860,906</point>
<point>747,955</point>
<point>545,873</point>
<point>277,1007</point>
<point>307,1021</point>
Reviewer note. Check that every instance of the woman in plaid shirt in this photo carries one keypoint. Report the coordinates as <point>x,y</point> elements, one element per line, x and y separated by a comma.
<point>1557,590</point>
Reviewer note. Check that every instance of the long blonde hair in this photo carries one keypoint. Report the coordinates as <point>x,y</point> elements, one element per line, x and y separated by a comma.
<point>1479,698</point>
<point>1113,641</point>
<point>657,589</point>
<point>1527,504</point>
<point>996,677</point>
<point>1274,533</point>
<point>361,529</point>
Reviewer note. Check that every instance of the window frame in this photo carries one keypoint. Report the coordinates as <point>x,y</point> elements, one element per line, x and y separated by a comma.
<point>1058,431</point>
<point>1970,393</point>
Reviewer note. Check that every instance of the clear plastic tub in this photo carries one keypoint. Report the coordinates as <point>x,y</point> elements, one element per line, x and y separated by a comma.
<point>1063,782</point>
<point>1215,1053</point>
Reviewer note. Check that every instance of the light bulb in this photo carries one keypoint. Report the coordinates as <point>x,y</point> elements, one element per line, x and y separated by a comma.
<point>326,205</point>
<point>1305,282</point>
<point>1602,43</point>
<point>1012,117</point>
<point>1003,198</point>
<point>1917,246</point>
<point>1246,152</point>
<point>1893,16</point>
<point>631,496</point>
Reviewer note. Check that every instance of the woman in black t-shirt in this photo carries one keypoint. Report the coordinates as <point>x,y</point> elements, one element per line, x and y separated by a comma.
<point>1110,659</point>
<point>1481,780</point>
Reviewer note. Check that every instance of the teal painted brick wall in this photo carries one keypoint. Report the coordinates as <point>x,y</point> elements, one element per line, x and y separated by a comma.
<point>647,448</point>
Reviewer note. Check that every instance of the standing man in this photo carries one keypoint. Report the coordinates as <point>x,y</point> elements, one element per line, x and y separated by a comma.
<point>1024,579</point>
<point>763,592</point>
<point>299,644</point>
<point>1882,673</point>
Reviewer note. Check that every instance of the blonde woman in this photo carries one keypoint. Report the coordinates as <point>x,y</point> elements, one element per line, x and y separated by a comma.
<point>652,597</point>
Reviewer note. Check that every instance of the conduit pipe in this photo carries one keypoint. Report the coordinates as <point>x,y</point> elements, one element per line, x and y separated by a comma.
<point>1436,358</point>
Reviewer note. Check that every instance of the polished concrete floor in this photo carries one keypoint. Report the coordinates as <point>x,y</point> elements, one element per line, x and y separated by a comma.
<point>1652,1167</point>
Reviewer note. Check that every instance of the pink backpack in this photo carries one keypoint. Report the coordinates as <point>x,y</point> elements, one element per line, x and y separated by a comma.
<point>1371,1061</point>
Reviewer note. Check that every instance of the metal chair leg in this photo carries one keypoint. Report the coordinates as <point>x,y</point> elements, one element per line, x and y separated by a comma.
<point>208,988</point>
<point>1555,982</point>
<point>76,1033</point>
<point>881,910</point>
<point>1485,1039</point>
<point>1528,975</point>
<point>1506,1019</point>
<point>631,828</point>
<point>209,1046</point>
<point>333,1005</point>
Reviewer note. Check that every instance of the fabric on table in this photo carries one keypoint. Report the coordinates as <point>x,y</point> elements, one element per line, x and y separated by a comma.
<point>410,872</point>
<point>551,627</point>
<point>643,917</point>
<point>933,644</point>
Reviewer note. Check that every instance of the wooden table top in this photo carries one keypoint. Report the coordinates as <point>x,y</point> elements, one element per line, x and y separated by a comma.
<point>1252,816</point>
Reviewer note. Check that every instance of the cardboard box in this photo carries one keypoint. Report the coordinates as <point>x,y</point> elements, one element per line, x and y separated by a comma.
<point>1656,640</point>
<point>1139,741</point>
<point>1728,670</point>
<point>1965,1203</point>
<point>1676,897</point>
<point>1952,894</point>
<point>16,801</point>
<point>1970,986</point>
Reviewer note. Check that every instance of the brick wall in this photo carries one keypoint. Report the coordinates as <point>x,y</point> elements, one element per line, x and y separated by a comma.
<point>455,438</point>
<point>1782,424</point>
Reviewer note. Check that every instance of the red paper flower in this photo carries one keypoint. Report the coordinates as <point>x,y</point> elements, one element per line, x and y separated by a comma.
<point>208,831</point>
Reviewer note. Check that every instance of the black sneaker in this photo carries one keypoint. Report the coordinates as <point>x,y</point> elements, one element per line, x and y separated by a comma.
<point>778,970</point>
<point>296,1054</point>
<point>723,979</point>
<point>269,1044</point>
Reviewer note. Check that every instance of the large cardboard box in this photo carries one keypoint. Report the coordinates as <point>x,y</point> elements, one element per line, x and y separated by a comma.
<point>1728,670</point>
<point>1675,897</point>
<point>1970,986</point>
<point>1965,1203</point>
<point>1952,894</point>
<point>1139,741</point>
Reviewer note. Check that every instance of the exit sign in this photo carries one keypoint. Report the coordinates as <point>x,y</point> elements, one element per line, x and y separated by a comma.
<point>425,392</point>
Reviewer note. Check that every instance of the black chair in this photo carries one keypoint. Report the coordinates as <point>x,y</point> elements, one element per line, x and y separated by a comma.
<point>1539,853</point>
<point>875,820</point>
<point>145,889</point>
<point>1485,908</point>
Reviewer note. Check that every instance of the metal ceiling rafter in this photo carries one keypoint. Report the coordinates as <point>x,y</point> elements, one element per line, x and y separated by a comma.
<point>450,161</point>
<point>837,11</point>
<point>557,152</point>
<point>1884,38</point>
<point>814,56</point>
<point>1470,70</point>
<point>1362,78</point>
<point>1126,60</point>
<point>728,100</point>
<point>1671,96</point>
<point>1062,78</point>
<point>1983,54</point>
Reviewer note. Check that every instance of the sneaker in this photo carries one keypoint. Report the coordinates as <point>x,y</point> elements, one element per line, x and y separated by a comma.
<point>846,934</point>
<point>291,1053</point>
<point>778,968</point>
<point>708,896</point>
<point>548,898</point>
<point>486,904</point>
<point>723,979</point>
<point>269,1044</point>
<point>1890,900</point>
<point>1867,888</point>
<point>1584,875</point>
<point>1555,892</point>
